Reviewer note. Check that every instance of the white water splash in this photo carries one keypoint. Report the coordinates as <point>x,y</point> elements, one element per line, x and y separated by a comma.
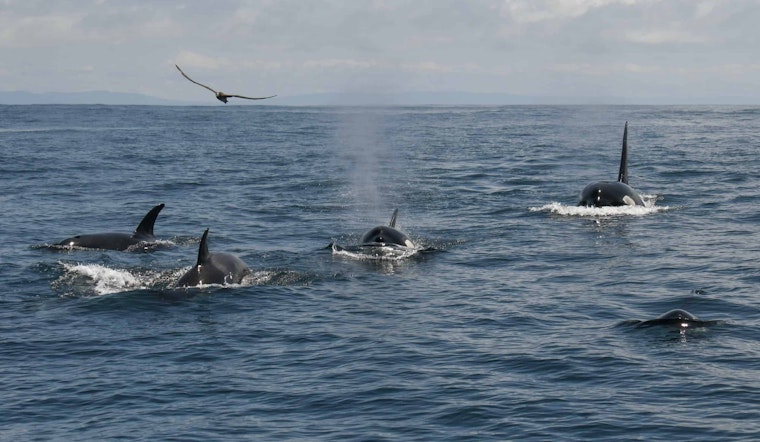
<point>258,277</point>
<point>573,210</point>
<point>387,253</point>
<point>105,280</point>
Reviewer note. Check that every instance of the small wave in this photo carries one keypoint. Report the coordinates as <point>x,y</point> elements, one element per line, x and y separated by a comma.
<point>381,253</point>
<point>649,208</point>
<point>277,277</point>
<point>12,130</point>
<point>96,279</point>
<point>102,280</point>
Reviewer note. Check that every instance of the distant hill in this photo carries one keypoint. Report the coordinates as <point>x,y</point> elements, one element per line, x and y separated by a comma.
<point>91,97</point>
<point>495,99</point>
<point>406,99</point>
<point>326,99</point>
<point>358,99</point>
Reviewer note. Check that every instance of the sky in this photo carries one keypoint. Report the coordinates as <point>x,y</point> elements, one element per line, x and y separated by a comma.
<point>627,51</point>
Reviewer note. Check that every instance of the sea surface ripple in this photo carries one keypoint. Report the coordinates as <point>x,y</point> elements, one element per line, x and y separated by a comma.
<point>510,323</point>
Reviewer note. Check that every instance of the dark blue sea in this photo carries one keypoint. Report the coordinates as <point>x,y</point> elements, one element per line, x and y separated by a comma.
<point>513,320</point>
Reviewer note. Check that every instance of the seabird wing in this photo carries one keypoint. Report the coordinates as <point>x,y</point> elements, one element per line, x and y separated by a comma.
<point>193,81</point>
<point>251,98</point>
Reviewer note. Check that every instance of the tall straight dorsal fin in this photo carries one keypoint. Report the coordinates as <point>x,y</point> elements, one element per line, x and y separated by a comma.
<point>623,173</point>
<point>393,218</point>
<point>146,225</point>
<point>203,249</point>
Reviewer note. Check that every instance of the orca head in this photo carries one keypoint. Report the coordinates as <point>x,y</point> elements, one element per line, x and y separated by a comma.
<point>678,315</point>
<point>382,235</point>
<point>609,193</point>
<point>677,318</point>
<point>191,278</point>
<point>386,235</point>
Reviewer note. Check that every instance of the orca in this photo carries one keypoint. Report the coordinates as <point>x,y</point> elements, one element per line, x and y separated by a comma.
<point>386,235</point>
<point>613,193</point>
<point>117,241</point>
<point>676,318</point>
<point>213,268</point>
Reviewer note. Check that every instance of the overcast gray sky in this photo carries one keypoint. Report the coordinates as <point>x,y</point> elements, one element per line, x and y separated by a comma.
<point>666,50</point>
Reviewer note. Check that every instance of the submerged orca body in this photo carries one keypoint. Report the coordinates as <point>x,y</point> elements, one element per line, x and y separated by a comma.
<point>676,318</point>
<point>613,193</point>
<point>213,268</point>
<point>386,235</point>
<point>117,241</point>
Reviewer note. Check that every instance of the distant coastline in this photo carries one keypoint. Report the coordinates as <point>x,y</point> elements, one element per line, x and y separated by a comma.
<point>361,99</point>
<point>91,97</point>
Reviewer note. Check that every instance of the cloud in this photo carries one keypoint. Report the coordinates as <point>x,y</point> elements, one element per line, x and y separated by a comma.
<point>501,46</point>
<point>33,31</point>
<point>196,60</point>
<point>192,59</point>
<point>22,25</point>
<point>664,36</point>
<point>343,64</point>
<point>535,11</point>
<point>604,69</point>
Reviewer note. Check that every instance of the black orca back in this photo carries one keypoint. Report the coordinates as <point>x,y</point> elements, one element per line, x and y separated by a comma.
<point>118,241</point>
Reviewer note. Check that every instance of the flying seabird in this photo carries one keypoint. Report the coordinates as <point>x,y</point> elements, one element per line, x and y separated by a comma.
<point>221,96</point>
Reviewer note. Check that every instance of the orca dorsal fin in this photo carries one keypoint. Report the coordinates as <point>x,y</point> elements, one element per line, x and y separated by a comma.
<point>623,173</point>
<point>146,225</point>
<point>393,218</point>
<point>203,249</point>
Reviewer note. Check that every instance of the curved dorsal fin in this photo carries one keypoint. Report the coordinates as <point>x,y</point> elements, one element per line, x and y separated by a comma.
<point>146,225</point>
<point>203,249</point>
<point>393,218</point>
<point>623,173</point>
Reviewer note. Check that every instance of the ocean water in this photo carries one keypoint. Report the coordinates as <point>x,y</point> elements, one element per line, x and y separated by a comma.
<point>509,325</point>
